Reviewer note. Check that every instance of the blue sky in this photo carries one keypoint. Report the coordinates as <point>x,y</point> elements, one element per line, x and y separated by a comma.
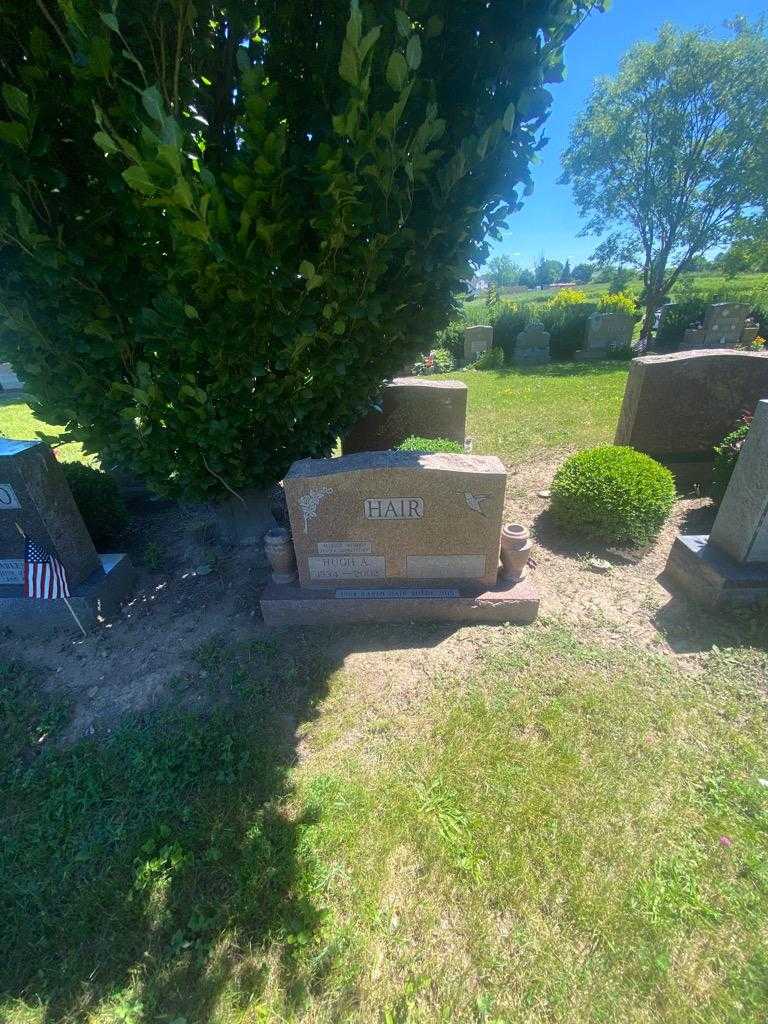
<point>549,222</point>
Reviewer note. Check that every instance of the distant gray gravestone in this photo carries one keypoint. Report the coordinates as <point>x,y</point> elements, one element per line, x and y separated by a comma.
<point>477,340</point>
<point>606,332</point>
<point>532,346</point>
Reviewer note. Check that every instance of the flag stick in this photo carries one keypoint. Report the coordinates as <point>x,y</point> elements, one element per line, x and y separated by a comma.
<point>64,599</point>
<point>72,613</point>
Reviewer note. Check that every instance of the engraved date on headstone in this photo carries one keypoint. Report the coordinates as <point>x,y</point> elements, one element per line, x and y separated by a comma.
<point>346,567</point>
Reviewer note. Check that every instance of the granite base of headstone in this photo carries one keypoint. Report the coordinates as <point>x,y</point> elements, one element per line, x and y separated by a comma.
<point>397,537</point>
<point>36,503</point>
<point>477,340</point>
<point>678,406</point>
<point>730,566</point>
<point>532,347</point>
<point>605,333</point>
<point>411,407</point>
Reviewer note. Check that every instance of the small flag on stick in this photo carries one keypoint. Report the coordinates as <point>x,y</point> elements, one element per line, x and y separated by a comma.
<point>44,575</point>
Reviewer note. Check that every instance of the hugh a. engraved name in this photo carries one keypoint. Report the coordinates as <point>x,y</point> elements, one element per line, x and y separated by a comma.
<point>346,567</point>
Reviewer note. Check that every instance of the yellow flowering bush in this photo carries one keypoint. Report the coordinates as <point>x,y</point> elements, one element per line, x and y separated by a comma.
<point>617,303</point>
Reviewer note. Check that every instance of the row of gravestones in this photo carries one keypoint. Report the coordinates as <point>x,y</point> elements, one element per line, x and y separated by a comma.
<point>381,534</point>
<point>725,325</point>
<point>605,333</point>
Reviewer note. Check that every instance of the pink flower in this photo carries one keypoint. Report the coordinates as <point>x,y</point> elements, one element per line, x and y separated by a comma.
<point>726,841</point>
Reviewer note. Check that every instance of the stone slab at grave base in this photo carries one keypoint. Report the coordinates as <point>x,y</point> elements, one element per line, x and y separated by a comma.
<point>712,577</point>
<point>98,597</point>
<point>293,605</point>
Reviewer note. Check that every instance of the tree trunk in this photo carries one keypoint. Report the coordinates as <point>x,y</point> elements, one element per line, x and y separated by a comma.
<point>648,317</point>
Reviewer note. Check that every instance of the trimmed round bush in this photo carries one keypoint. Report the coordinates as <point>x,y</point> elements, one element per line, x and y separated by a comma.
<point>430,444</point>
<point>613,494</point>
<point>97,497</point>
<point>726,456</point>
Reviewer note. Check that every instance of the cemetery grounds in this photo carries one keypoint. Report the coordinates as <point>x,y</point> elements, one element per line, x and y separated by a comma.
<point>207,822</point>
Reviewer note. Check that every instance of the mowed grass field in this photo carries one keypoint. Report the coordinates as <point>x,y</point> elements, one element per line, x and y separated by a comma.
<point>541,830</point>
<point>19,422</point>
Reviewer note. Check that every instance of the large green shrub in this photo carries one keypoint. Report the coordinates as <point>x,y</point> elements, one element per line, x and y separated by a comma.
<point>566,321</point>
<point>726,456</point>
<point>97,497</point>
<point>512,319</point>
<point>211,254</point>
<point>613,494</point>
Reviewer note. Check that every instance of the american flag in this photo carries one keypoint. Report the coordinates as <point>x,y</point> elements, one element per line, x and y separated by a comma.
<point>44,575</point>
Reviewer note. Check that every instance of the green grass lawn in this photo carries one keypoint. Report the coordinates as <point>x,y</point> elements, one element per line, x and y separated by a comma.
<point>19,422</point>
<point>516,414</point>
<point>565,834</point>
<point>548,832</point>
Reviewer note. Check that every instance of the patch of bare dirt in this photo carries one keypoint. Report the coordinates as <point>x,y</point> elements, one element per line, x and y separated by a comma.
<point>197,599</point>
<point>630,602</point>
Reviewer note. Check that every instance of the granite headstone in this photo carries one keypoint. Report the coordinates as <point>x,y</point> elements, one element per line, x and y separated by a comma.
<point>35,498</point>
<point>677,407</point>
<point>606,332</point>
<point>532,347</point>
<point>477,340</point>
<point>411,406</point>
<point>397,535</point>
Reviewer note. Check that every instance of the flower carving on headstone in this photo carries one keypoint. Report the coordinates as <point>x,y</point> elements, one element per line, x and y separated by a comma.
<point>309,503</point>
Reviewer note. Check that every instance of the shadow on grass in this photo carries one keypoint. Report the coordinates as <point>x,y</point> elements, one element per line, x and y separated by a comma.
<point>166,867</point>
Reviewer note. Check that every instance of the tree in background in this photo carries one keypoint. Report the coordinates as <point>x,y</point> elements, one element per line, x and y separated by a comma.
<point>546,272</point>
<point>566,273</point>
<point>223,224</point>
<point>503,271</point>
<point>668,157</point>
<point>745,255</point>
<point>582,273</point>
<point>527,278</point>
